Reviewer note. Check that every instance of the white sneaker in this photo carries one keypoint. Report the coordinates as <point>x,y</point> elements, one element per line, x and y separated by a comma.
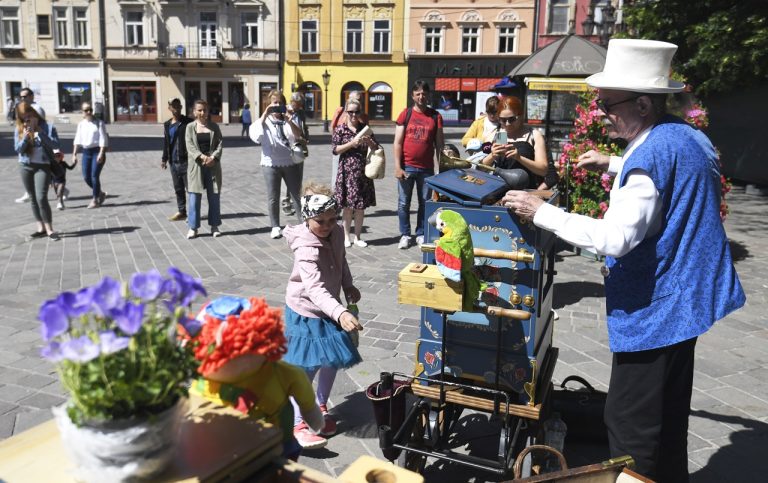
<point>405,242</point>
<point>65,196</point>
<point>420,240</point>
<point>360,243</point>
<point>24,198</point>
<point>347,243</point>
<point>275,232</point>
<point>59,206</point>
<point>215,231</point>
<point>191,234</point>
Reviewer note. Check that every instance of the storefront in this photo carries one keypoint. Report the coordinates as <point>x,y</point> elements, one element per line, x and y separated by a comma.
<point>460,87</point>
<point>135,102</point>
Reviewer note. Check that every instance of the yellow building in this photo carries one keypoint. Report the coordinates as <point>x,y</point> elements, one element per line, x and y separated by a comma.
<point>361,46</point>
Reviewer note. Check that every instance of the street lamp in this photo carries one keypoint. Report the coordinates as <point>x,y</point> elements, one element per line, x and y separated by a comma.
<point>605,28</point>
<point>326,81</point>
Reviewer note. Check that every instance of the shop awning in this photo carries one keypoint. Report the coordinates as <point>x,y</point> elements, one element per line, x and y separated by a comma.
<point>556,84</point>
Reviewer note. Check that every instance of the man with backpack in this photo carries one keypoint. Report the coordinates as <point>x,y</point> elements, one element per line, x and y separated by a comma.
<point>418,131</point>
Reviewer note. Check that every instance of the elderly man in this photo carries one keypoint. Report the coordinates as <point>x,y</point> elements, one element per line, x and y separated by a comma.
<point>668,272</point>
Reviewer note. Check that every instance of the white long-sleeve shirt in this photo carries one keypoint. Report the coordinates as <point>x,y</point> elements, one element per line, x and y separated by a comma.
<point>634,213</point>
<point>91,134</point>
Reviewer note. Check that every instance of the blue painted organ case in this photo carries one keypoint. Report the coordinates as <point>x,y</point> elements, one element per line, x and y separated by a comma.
<point>473,349</point>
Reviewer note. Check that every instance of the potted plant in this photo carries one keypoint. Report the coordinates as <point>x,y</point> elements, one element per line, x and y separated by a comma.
<point>116,349</point>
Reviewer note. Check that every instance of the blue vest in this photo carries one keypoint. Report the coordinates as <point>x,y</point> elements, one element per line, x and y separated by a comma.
<point>674,285</point>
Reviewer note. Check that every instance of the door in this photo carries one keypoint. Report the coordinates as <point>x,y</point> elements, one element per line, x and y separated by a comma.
<point>214,98</point>
<point>191,94</point>
<point>208,35</point>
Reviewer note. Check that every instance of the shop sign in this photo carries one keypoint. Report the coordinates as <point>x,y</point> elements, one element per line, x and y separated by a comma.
<point>556,84</point>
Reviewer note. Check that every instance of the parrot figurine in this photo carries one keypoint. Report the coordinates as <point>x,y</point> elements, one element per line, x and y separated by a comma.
<point>455,255</point>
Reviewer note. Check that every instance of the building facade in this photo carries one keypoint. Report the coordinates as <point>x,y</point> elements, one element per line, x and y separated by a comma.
<point>592,19</point>
<point>225,53</point>
<point>53,48</point>
<point>351,45</point>
<point>463,49</point>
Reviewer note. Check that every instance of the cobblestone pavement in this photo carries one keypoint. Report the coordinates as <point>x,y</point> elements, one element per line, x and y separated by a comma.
<point>728,436</point>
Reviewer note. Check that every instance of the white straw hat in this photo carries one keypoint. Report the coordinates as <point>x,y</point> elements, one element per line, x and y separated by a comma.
<point>639,66</point>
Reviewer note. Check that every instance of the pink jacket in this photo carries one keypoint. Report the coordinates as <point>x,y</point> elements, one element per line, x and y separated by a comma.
<point>320,272</point>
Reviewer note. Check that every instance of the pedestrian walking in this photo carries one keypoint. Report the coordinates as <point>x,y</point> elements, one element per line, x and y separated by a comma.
<point>317,324</point>
<point>175,154</point>
<point>204,149</point>
<point>91,136</point>
<point>35,142</point>
<point>669,273</point>
<point>28,96</point>
<point>418,138</point>
<point>246,119</point>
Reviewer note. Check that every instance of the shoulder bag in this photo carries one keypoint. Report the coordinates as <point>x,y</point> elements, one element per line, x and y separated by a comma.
<point>375,163</point>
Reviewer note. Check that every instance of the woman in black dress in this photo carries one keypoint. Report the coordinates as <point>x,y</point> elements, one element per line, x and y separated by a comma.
<point>354,192</point>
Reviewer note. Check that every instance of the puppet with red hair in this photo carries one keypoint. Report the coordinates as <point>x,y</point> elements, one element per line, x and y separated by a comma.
<point>239,347</point>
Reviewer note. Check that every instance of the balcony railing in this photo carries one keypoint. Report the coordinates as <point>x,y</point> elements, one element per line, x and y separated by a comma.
<point>189,52</point>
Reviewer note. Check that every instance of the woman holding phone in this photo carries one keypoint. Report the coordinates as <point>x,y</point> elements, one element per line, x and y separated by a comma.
<point>281,157</point>
<point>518,146</point>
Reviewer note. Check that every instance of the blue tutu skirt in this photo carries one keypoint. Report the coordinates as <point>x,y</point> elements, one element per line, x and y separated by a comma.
<point>315,343</point>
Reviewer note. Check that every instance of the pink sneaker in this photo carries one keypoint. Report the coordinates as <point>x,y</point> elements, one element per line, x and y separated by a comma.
<point>329,426</point>
<point>306,438</point>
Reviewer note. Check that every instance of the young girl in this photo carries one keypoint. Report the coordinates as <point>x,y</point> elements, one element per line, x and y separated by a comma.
<point>60,182</point>
<point>317,324</point>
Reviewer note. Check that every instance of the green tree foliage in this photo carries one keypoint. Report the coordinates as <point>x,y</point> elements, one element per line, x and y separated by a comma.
<point>722,44</point>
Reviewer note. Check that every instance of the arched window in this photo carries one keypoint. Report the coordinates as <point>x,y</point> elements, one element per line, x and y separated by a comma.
<point>313,99</point>
<point>379,101</point>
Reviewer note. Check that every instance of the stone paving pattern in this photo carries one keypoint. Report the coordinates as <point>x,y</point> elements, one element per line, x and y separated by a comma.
<point>728,428</point>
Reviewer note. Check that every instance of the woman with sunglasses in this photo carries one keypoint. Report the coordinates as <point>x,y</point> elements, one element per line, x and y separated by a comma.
<point>92,137</point>
<point>37,145</point>
<point>354,191</point>
<point>525,147</point>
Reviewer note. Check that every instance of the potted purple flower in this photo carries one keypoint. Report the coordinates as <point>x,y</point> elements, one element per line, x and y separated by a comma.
<point>118,356</point>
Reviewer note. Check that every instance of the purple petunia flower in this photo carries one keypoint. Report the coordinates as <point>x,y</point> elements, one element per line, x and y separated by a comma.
<point>184,288</point>
<point>111,343</point>
<point>106,295</point>
<point>129,317</point>
<point>191,325</point>
<point>82,349</point>
<point>75,304</point>
<point>148,286</point>
<point>52,352</point>
<point>54,319</point>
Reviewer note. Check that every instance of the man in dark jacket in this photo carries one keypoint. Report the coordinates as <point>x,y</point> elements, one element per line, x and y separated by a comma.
<point>175,152</point>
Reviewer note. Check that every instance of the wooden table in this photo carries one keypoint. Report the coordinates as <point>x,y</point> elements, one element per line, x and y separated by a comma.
<point>215,443</point>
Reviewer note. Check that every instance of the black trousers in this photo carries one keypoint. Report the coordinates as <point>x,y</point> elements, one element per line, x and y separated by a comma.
<point>179,177</point>
<point>649,401</point>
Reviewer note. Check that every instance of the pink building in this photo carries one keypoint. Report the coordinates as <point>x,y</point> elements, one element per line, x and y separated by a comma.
<point>595,20</point>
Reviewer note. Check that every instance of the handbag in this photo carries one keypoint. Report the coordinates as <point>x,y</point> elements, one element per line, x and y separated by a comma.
<point>375,163</point>
<point>582,410</point>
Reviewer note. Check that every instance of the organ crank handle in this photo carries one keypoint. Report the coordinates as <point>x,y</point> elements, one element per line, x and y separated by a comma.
<point>507,313</point>
<point>518,256</point>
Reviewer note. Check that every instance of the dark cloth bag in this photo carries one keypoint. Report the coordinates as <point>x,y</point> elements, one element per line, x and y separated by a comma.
<point>582,410</point>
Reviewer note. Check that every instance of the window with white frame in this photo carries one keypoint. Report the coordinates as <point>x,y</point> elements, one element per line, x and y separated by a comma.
<point>309,36</point>
<point>381,33</point>
<point>507,37</point>
<point>433,40</point>
<point>250,29</point>
<point>44,25</point>
<point>9,27</point>
<point>558,16</point>
<point>469,40</point>
<point>354,37</point>
<point>134,28</point>
<point>61,20</point>
<point>71,27</point>
<point>81,27</point>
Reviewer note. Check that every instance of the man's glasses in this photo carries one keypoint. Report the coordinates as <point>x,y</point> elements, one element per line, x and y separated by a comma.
<point>607,107</point>
<point>508,120</point>
<point>353,113</point>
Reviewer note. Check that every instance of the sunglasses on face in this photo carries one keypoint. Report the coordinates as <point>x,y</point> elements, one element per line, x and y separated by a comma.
<point>607,107</point>
<point>508,120</point>
<point>87,110</point>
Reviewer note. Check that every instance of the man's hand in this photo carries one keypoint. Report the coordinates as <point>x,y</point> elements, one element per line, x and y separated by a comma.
<point>349,322</point>
<point>164,164</point>
<point>399,173</point>
<point>522,204</point>
<point>352,294</point>
<point>594,161</point>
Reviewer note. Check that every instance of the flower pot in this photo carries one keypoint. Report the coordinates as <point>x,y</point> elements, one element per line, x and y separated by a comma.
<point>121,450</point>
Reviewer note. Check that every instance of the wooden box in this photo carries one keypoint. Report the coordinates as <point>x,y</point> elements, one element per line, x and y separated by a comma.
<point>424,285</point>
